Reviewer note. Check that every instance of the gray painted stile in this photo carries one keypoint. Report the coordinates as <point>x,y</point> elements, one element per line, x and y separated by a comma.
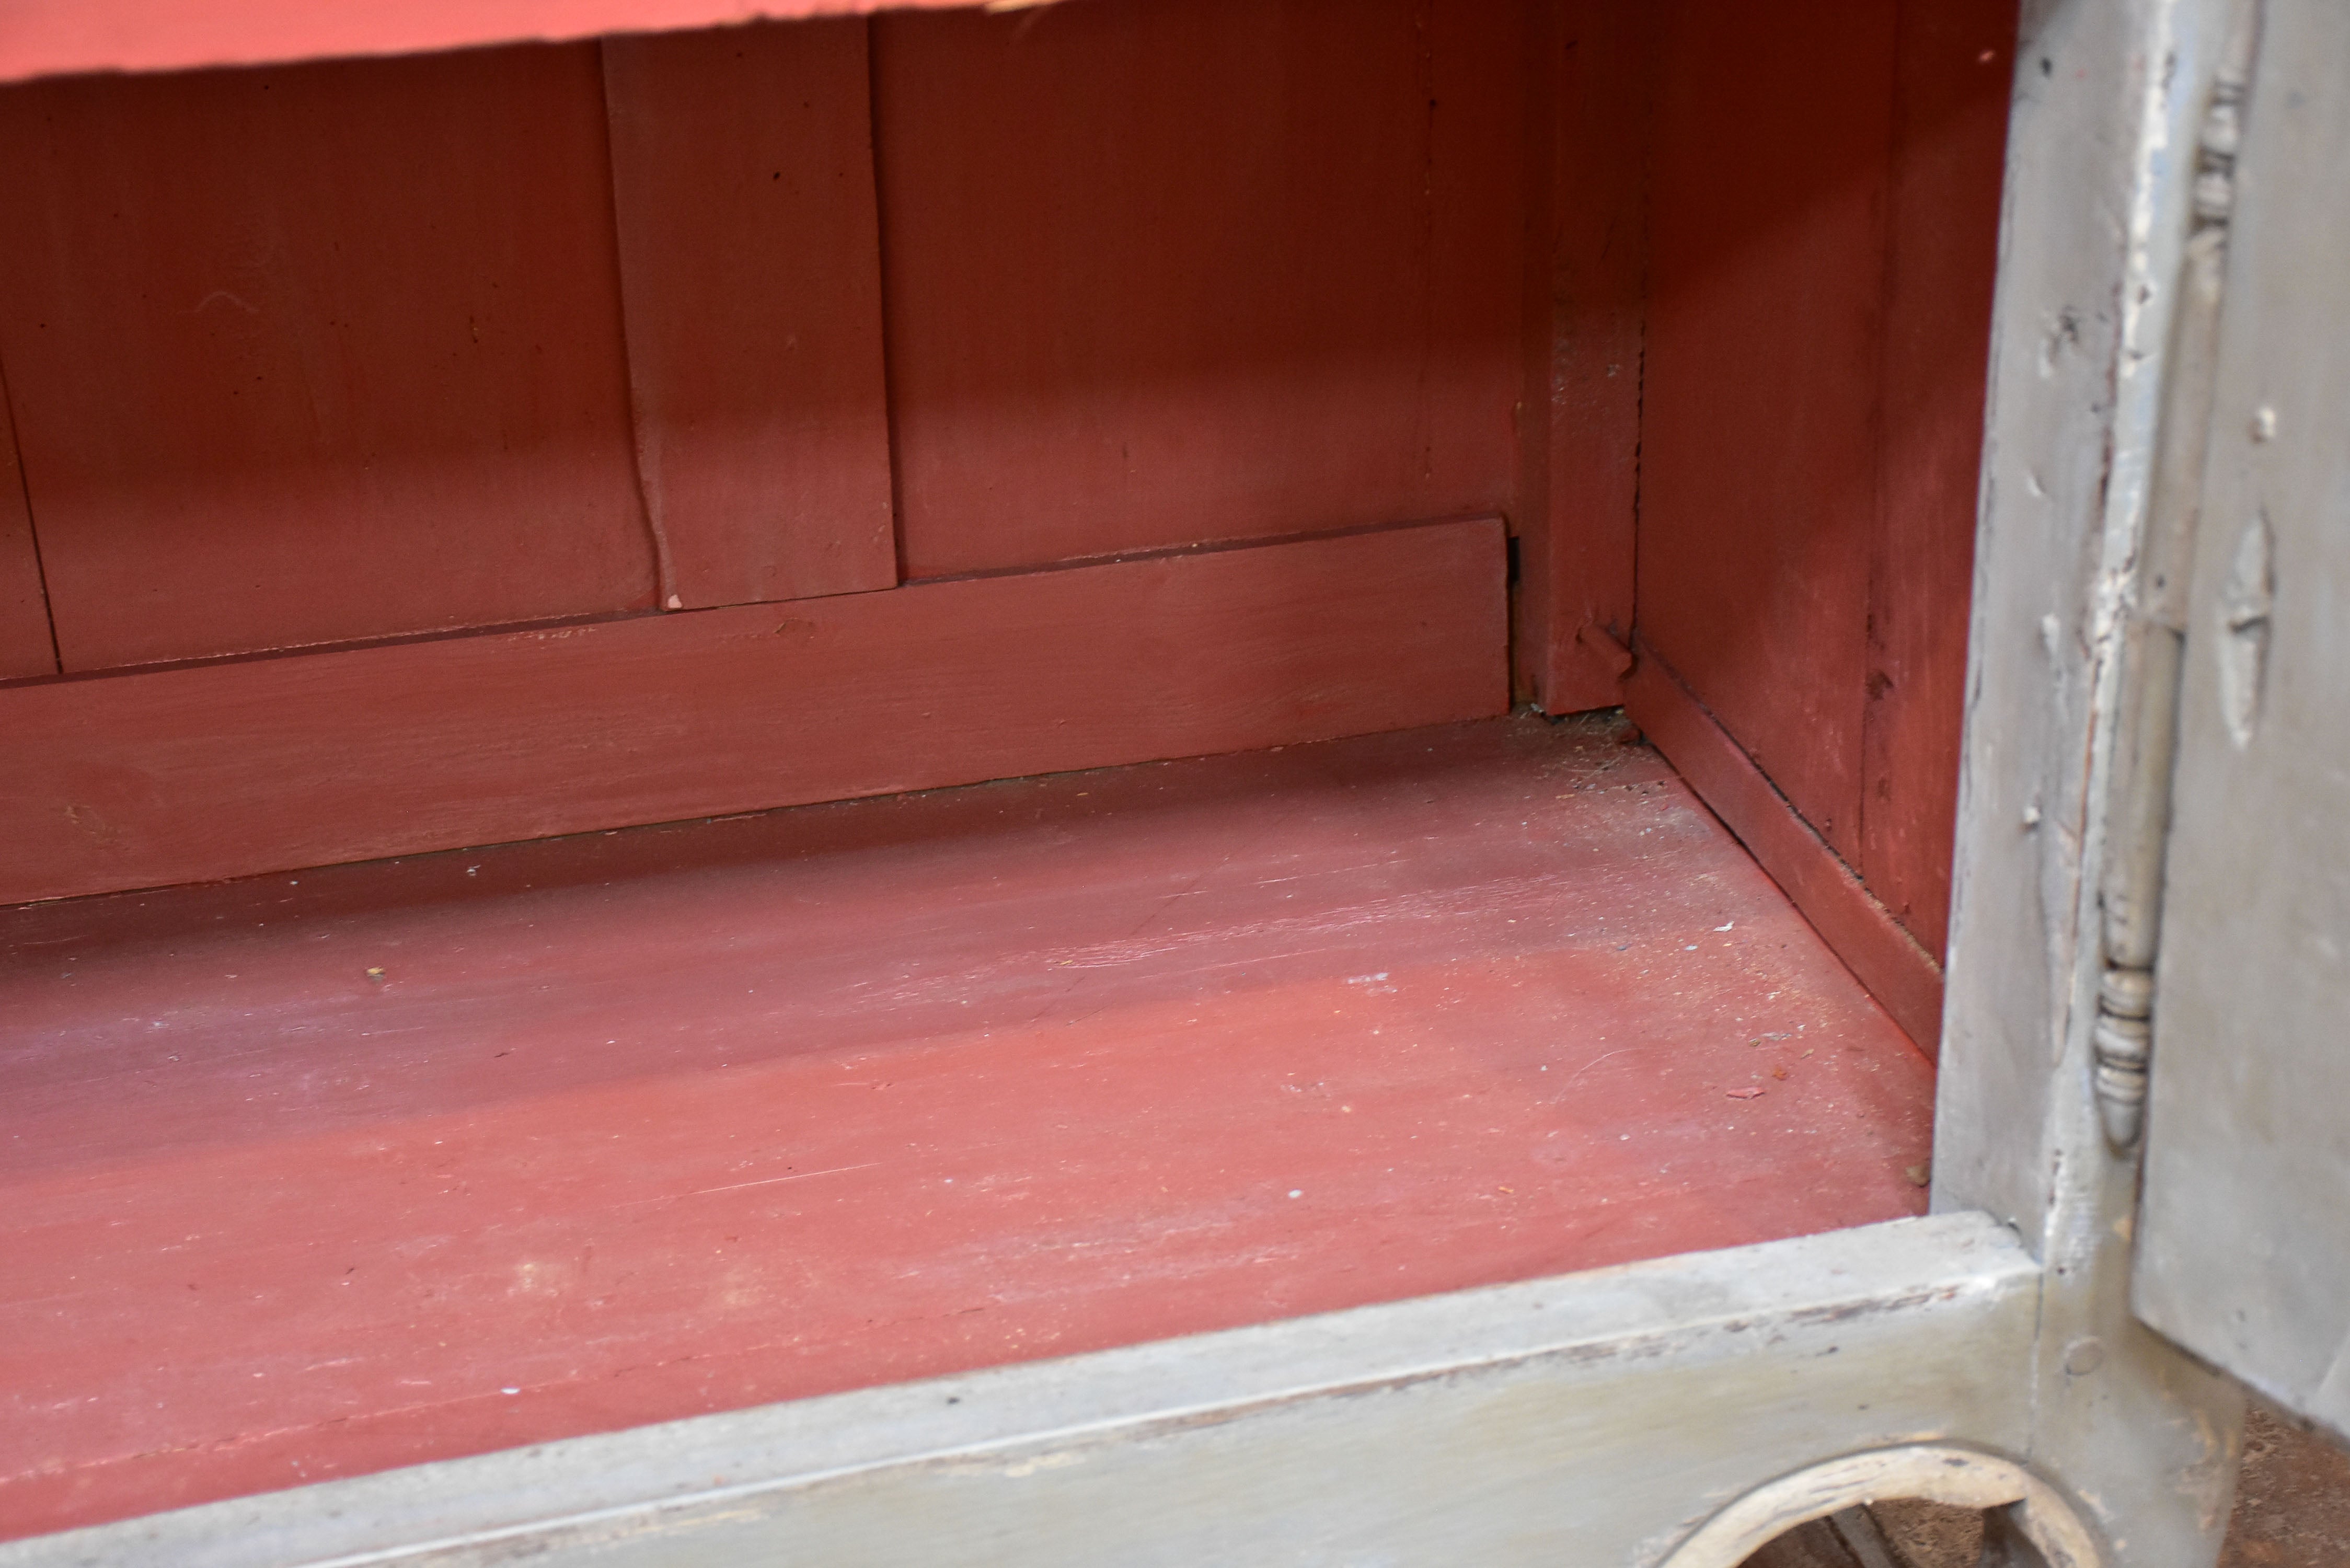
<point>2109,107</point>
<point>1670,1412</point>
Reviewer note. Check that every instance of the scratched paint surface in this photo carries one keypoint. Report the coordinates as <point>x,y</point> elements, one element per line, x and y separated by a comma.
<point>312,1175</point>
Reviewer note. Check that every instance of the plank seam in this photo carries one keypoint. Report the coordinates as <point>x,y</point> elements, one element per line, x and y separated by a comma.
<point>32,526</point>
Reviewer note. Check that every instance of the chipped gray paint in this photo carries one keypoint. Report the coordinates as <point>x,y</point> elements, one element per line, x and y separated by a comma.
<point>1591,1419</point>
<point>2099,206</point>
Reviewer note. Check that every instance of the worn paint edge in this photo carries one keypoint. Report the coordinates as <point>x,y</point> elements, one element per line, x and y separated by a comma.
<point>1630,1321</point>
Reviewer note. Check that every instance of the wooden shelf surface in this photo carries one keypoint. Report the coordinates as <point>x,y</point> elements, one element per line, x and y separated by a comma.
<point>326,1172</point>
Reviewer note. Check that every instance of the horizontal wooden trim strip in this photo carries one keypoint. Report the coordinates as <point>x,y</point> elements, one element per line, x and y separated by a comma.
<point>224,770</point>
<point>1901,975</point>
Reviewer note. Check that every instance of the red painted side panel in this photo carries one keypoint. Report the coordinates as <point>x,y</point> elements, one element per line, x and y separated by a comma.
<point>225,769</point>
<point>1758,453</point>
<point>24,644</point>
<point>318,353</point>
<point>750,267</point>
<point>1954,62</point>
<point>1825,211</point>
<point>1166,270</point>
<point>45,38</point>
<point>317,1175</point>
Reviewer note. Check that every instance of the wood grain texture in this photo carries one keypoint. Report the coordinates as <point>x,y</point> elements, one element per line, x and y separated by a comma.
<point>1759,440</point>
<point>1899,973</point>
<point>26,647</point>
<point>50,37</point>
<point>221,770</point>
<point>1162,271</point>
<point>1952,63</point>
<point>1588,82</point>
<point>318,353</point>
<point>751,272</point>
<point>644,1125</point>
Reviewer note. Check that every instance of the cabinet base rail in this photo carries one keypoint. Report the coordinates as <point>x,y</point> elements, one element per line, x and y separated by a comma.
<point>1601,1418</point>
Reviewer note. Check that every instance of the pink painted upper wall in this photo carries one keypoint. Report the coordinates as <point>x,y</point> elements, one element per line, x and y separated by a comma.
<point>54,38</point>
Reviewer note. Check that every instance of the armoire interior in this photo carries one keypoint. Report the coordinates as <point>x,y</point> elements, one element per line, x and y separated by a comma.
<point>694,718</point>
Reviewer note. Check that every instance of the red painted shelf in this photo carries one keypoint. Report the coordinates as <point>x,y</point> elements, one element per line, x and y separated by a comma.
<point>321,1173</point>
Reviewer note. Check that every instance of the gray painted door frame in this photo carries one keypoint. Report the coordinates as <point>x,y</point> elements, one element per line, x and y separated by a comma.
<point>2103,161</point>
<point>1664,1412</point>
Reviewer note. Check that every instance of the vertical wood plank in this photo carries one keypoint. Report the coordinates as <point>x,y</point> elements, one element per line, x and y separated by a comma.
<point>1952,62</point>
<point>26,646</point>
<point>1758,488</point>
<point>318,353</point>
<point>1159,271</point>
<point>751,274</point>
<point>1589,72</point>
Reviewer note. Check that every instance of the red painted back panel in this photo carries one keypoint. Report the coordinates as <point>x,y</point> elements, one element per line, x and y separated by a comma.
<point>311,355</point>
<point>318,353</point>
<point>1166,270</point>
<point>750,265</point>
<point>1954,61</point>
<point>25,646</point>
<point>1757,452</point>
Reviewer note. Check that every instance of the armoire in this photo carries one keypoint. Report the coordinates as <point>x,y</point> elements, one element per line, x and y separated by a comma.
<point>1338,782</point>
